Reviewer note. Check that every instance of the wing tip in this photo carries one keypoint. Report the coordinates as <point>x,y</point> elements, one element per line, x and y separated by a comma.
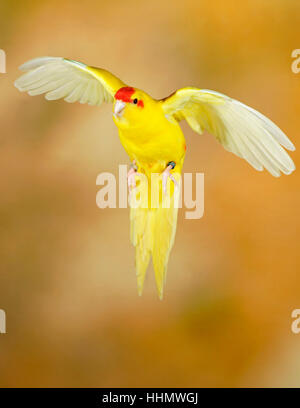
<point>280,172</point>
<point>291,147</point>
<point>16,84</point>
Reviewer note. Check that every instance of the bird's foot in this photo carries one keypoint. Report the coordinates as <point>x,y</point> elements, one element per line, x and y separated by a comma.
<point>131,176</point>
<point>166,174</point>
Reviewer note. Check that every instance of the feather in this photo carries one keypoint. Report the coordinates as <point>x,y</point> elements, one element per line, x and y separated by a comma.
<point>62,78</point>
<point>239,128</point>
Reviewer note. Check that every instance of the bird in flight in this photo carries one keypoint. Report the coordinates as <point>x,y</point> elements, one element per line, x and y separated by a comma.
<point>150,134</point>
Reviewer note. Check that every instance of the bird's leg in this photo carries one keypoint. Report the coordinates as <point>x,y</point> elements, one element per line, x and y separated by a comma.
<point>131,176</point>
<point>166,174</point>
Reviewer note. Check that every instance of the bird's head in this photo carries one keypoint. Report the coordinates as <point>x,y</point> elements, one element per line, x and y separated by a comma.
<point>131,106</point>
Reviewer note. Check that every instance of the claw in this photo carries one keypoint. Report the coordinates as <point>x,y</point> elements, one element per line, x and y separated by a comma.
<point>165,175</point>
<point>131,176</point>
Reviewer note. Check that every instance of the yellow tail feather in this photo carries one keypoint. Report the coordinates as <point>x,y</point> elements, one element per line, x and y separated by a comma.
<point>152,233</point>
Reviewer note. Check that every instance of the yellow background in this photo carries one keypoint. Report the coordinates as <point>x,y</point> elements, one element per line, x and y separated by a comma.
<point>67,280</point>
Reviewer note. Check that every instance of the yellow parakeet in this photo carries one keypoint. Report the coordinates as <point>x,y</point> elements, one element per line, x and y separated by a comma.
<point>150,133</point>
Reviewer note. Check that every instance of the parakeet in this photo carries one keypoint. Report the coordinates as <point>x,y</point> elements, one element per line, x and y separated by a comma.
<point>150,133</point>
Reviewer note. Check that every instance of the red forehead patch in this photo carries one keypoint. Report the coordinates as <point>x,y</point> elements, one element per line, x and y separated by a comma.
<point>124,94</point>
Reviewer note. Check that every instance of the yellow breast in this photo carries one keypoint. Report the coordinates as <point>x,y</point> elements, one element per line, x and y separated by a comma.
<point>151,138</point>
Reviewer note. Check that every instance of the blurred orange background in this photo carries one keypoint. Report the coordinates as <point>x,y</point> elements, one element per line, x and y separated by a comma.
<point>67,279</point>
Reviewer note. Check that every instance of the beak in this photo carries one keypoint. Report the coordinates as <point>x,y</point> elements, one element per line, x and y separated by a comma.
<point>119,107</point>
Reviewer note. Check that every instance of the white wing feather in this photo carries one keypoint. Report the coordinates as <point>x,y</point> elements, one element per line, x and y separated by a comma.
<point>239,128</point>
<point>59,78</point>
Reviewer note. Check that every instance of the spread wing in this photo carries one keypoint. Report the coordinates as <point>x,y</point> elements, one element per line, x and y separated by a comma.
<point>73,81</point>
<point>239,128</point>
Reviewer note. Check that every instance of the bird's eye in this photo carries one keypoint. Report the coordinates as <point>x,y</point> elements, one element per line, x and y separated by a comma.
<point>135,101</point>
